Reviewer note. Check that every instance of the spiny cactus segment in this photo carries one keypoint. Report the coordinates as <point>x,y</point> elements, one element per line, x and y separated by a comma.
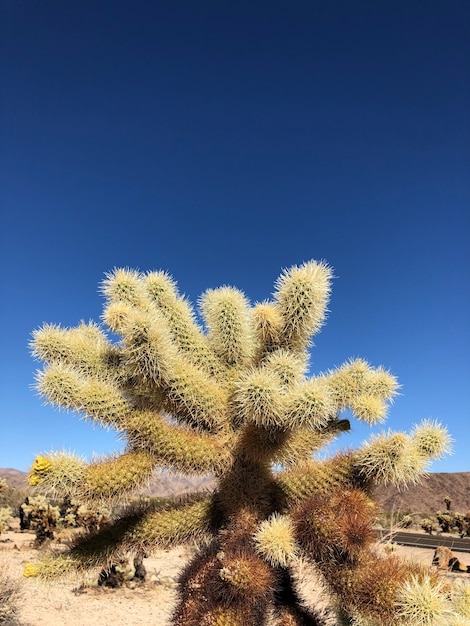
<point>233,397</point>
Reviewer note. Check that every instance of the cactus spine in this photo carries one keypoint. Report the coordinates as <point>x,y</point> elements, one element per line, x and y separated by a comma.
<point>233,398</point>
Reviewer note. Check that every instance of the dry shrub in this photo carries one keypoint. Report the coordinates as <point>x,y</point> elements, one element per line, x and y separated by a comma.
<point>10,595</point>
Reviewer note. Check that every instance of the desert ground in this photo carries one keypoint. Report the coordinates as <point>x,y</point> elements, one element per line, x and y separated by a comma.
<point>66,603</point>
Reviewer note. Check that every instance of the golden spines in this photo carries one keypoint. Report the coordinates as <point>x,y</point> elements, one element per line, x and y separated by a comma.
<point>302,294</point>
<point>230,332</point>
<point>51,567</point>
<point>308,404</point>
<point>194,398</point>
<point>424,600</point>
<point>168,528</point>
<point>347,382</point>
<point>99,400</point>
<point>62,473</point>
<point>431,440</point>
<point>267,324</point>
<point>390,458</point>
<point>178,448</point>
<point>400,459</point>
<point>151,356</point>
<point>366,391</point>
<point>369,409</point>
<point>124,285</point>
<point>304,479</point>
<point>57,474</point>
<point>148,348</point>
<point>177,311</point>
<point>117,477</point>
<point>258,399</point>
<point>275,541</point>
<point>288,366</point>
<point>85,348</point>
<point>461,598</point>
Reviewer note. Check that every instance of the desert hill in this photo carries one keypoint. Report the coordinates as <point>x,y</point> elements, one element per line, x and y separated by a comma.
<point>427,497</point>
<point>15,478</point>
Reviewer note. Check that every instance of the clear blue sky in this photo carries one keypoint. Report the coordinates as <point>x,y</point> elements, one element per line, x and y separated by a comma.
<point>224,141</point>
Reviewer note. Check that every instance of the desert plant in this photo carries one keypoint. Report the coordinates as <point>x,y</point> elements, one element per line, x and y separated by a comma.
<point>234,399</point>
<point>10,595</point>
<point>446,521</point>
<point>75,514</point>
<point>462,523</point>
<point>406,521</point>
<point>42,517</point>
<point>5,517</point>
<point>428,525</point>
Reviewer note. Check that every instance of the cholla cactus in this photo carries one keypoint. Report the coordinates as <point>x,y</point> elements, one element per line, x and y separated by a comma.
<point>76,514</point>
<point>6,515</point>
<point>428,525</point>
<point>42,516</point>
<point>234,399</point>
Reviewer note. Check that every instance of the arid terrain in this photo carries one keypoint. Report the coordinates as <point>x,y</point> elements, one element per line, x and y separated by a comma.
<point>428,496</point>
<point>67,603</point>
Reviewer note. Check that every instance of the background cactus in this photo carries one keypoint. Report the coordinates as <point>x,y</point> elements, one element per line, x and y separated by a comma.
<point>234,398</point>
<point>42,517</point>
<point>6,515</point>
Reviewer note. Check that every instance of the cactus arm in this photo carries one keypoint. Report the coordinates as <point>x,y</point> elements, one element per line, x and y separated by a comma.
<point>366,391</point>
<point>301,481</point>
<point>85,348</point>
<point>150,528</point>
<point>117,477</point>
<point>301,295</point>
<point>97,399</point>
<point>178,448</point>
<point>194,399</point>
<point>230,332</point>
<point>267,323</point>
<point>151,356</point>
<point>188,336</point>
<point>400,459</point>
<point>111,478</point>
<point>301,443</point>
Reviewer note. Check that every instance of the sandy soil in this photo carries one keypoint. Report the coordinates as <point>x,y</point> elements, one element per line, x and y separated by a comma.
<point>63,604</point>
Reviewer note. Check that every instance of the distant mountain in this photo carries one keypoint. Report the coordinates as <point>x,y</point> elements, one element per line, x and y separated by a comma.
<point>427,497</point>
<point>15,478</point>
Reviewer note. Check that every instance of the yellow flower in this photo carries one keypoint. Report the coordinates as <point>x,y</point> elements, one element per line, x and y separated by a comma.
<point>41,465</point>
<point>30,570</point>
